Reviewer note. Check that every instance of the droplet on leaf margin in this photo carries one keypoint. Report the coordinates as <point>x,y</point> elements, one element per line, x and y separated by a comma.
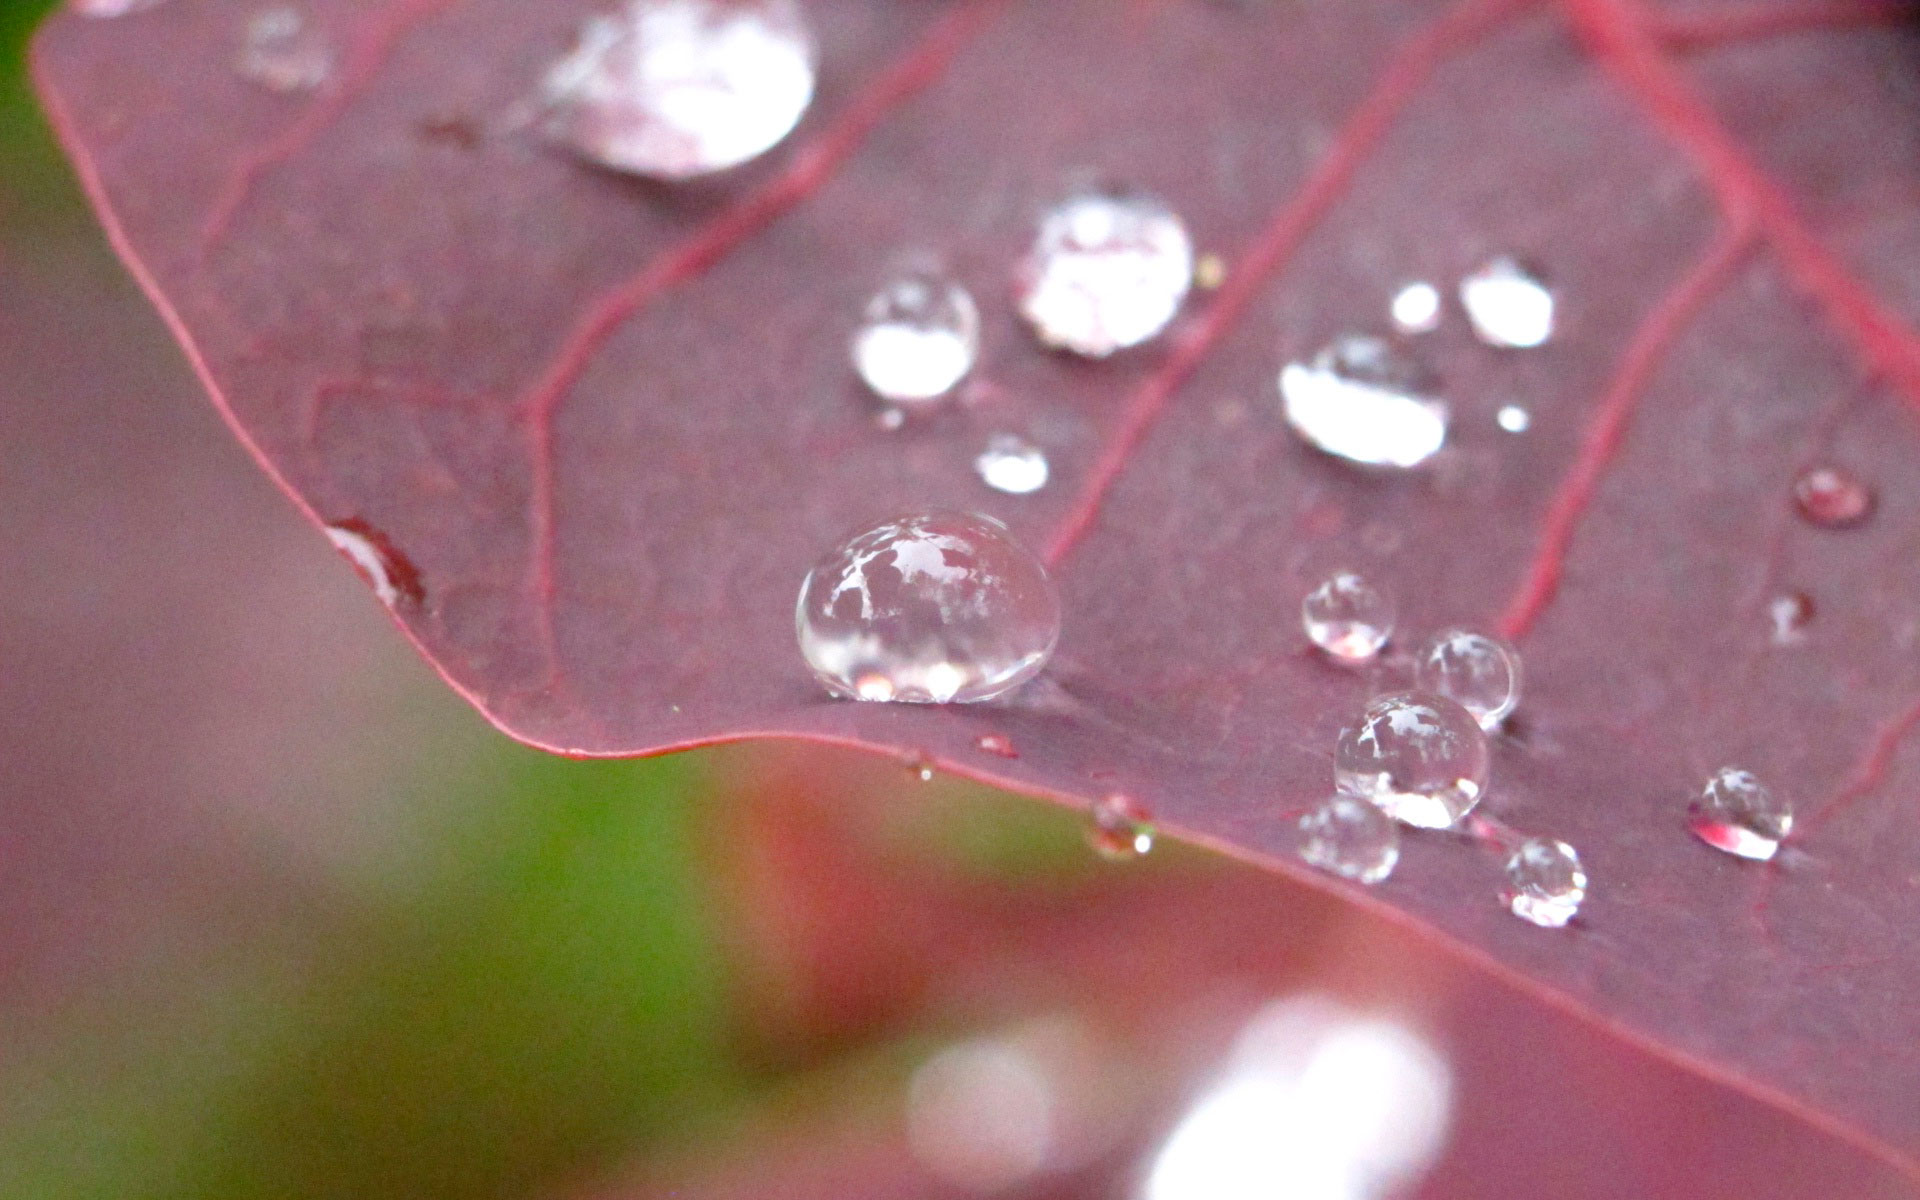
<point>1737,813</point>
<point>675,89</point>
<point>392,576</point>
<point>1480,673</point>
<point>1351,838</point>
<point>1119,828</point>
<point>1546,884</point>
<point>918,337</point>
<point>1416,308</point>
<point>1013,465</point>
<point>1832,498</point>
<point>1364,400</point>
<point>1508,305</point>
<point>935,608</point>
<point>1422,758</point>
<point>1348,617</point>
<point>1107,270</point>
<point>1513,418</point>
<point>282,51</point>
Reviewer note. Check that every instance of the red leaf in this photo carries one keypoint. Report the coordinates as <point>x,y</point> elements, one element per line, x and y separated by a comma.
<point>607,425</point>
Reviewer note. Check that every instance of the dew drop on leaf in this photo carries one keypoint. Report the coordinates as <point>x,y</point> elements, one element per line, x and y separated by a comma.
<point>1364,400</point>
<point>1480,673</point>
<point>1513,418</point>
<point>1416,308</point>
<point>282,51</point>
<point>918,337</point>
<point>1789,616</point>
<point>1119,828</point>
<point>1508,306</point>
<point>675,89</point>
<point>393,578</point>
<point>1348,617</point>
<point>1737,813</point>
<point>1545,882</point>
<point>1012,464</point>
<point>929,609</point>
<point>997,744</point>
<point>1832,498</point>
<point>1350,837</point>
<point>1108,270</point>
<point>1422,758</point>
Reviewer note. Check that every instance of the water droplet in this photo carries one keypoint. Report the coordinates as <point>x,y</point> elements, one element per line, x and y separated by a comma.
<point>1790,616</point>
<point>998,744</point>
<point>1832,498</point>
<point>1545,882</point>
<point>283,52</point>
<point>1120,829</point>
<point>934,608</point>
<point>1740,815</point>
<point>1416,308</point>
<point>1362,400</point>
<point>1422,758</point>
<point>1513,418</point>
<point>676,89</point>
<point>1210,272</point>
<point>918,338</point>
<point>1350,837</point>
<point>921,767</point>
<point>1480,673</point>
<point>391,575</point>
<point>1107,271</point>
<point>1508,305</point>
<point>1348,617</point>
<point>111,8</point>
<point>1012,464</point>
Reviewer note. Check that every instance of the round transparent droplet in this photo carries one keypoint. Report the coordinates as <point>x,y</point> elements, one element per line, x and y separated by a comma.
<point>1348,617</point>
<point>1119,828</point>
<point>1108,270</point>
<point>1508,305</point>
<point>1422,758</point>
<point>1364,400</point>
<point>1737,813</point>
<point>1545,882</point>
<point>1513,418</point>
<point>1012,464</point>
<point>918,337</point>
<point>111,8</point>
<point>281,50</point>
<point>1480,673</point>
<point>1416,308</point>
<point>1350,837</point>
<point>928,609</point>
<point>675,89</point>
<point>1832,498</point>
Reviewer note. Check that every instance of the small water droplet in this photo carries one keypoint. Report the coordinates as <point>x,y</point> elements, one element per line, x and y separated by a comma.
<point>1545,882</point>
<point>1513,418</point>
<point>1209,272</point>
<point>918,338</point>
<point>997,744</point>
<point>1422,758</point>
<point>283,52</point>
<point>1348,617</point>
<point>1480,673</point>
<point>1120,828</point>
<point>1416,308</point>
<point>929,609</point>
<point>890,417</point>
<point>676,89</point>
<point>1790,615</point>
<point>1832,498</point>
<point>1740,815</point>
<point>1508,305</point>
<point>111,8</point>
<point>1362,400</point>
<point>1012,464</point>
<point>1350,837</point>
<point>921,767</point>
<point>391,575</point>
<point>1108,270</point>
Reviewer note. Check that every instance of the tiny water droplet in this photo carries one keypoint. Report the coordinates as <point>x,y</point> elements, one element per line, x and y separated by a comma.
<point>1740,815</point>
<point>1416,308</point>
<point>111,8</point>
<point>928,609</point>
<point>1507,305</point>
<point>283,52</point>
<point>1350,837</point>
<point>1513,418</point>
<point>1108,270</point>
<point>1120,828</point>
<point>1209,272</point>
<point>391,575</point>
<point>1012,464</point>
<point>920,767</point>
<point>1348,617</point>
<point>1790,615</point>
<point>1832,498</point>
<point>675,89</point>
<point>997,744</point>
<point>1480,673</point>
<point>1545,882</point>
<point>1363,400</point>
<point>918,338</point>
<point>890,417</point>
<point>1422,758</point>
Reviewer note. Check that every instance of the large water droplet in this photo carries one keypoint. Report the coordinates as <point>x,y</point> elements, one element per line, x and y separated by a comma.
<point>1350,837</point>
<point>1107,271</point>
<point>1480,673</point>
<point>1119,828</point>
<point>1362,400</point>
<point>392,577</point>
<point>1832,498</point>
<point>918,338</point>
<point>1507,305</point>
<point>1422,758</point>
<point>1012,464</point>
<point>680,88</point>
<point>1545,882</point>
<point>1348,617</point>
<point>1416,308</point>
<point>1740,815</point>
<point>935,608</point>
<point>282,51</point>
<point>111,8</point>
